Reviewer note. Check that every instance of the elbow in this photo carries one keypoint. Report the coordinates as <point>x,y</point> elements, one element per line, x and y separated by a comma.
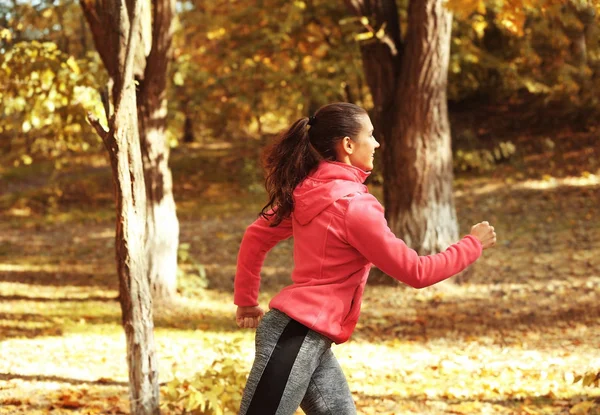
<point>418,280</point>
<point>413,279</point>
<point>419,284</point>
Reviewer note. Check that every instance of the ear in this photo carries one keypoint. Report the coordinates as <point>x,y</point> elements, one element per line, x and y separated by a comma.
<point>347,145</point>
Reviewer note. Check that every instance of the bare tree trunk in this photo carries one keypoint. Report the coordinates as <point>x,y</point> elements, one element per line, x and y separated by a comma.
<point>64,40</point>
<point>162,224</point>
<point>381,62</point>
<point>150,69</point>
<point>579,35</point>
<point>408,81</point>
<point>419,200</point>
<point>348,95</point>
<point>84,40</point>
<point>188,127</point>
<point>122,144</point>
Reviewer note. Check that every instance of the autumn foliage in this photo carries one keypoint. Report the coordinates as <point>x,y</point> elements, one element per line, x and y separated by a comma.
<point>517,334</point>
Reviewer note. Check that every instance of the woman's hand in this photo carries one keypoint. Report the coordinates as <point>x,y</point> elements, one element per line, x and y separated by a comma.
<point>485,233</point>
<point>248,317</point>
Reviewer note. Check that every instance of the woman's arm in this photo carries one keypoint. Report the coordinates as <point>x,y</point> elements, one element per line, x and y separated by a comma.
<point>258,239</point>
<point>368,232</point>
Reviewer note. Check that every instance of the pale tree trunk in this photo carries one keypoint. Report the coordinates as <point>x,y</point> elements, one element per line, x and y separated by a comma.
<point>408,80</point>
<point>162,223</point>
<point>150,69</point>
<point>122,144</point>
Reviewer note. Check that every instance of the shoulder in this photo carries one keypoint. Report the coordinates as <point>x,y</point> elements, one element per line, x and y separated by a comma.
<point>364,219</point>
<point>364,201</point>
<point>361,206</point>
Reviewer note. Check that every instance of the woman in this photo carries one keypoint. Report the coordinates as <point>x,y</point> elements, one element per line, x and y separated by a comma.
<point>315,183</point>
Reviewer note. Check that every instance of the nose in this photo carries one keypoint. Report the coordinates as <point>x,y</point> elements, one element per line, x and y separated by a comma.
<point>377,145</point>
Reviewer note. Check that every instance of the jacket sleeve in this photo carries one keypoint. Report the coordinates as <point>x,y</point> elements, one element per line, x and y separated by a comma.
<point>258,239</point>
<point>368,232</point>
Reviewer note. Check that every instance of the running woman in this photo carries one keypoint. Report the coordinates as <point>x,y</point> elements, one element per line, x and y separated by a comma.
<point>315,184</point>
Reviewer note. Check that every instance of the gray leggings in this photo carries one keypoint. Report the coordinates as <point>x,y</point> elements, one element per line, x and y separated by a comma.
<point>294,366</point>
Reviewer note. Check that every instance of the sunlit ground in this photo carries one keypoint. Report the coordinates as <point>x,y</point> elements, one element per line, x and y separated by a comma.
<point>509,338</point>
<point>415,352</point>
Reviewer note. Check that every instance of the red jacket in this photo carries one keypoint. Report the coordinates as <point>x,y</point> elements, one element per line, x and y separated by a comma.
<point>339,232</point>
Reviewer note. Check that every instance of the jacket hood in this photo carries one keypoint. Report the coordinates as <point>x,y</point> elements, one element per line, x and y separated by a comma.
<point>330,181</point>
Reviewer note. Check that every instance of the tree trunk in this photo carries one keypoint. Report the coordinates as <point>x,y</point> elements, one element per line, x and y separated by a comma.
<point>83,33</point>
<point>150,69</point>
<point>381,62</point>
<point>418,161</point>
<point>122,144</point>
<point>188,128</point>
<point>408,82</point>
<point>162,224</point>
<point>64,40</point>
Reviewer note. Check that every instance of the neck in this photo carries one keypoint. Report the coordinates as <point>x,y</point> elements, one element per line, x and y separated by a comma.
<point>345,159</point>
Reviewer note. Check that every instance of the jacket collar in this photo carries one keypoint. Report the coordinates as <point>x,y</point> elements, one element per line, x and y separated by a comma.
<point>331,170</point>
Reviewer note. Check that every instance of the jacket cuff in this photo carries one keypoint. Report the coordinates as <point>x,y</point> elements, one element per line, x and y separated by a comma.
<point>244,300</point>
<point>476,244</point>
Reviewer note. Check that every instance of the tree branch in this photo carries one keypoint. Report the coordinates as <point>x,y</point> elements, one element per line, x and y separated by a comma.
<point>161,53</point>
<point>106,97</point>
<point>95,122</point>
<point>97,16</point>
<point>383,12</point>
<point>355,7</point>
<point>127,78</point>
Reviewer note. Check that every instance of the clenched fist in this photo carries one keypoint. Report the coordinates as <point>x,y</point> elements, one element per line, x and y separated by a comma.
<point>485,233</point>
<point>248,317</point>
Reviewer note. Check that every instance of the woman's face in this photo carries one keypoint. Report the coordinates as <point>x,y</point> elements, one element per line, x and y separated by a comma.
<point>363,146</point>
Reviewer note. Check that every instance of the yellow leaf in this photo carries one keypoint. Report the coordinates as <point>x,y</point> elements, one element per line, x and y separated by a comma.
<point>510,26</point>
<point>582,408</point>
<point>363,36</point>
<point>588,379</point>
<point>27,160</point>
<point>479,27</point>
<point>26,126</point>
<point>381,32</point>
<point>72,64</point>
<point>35,121</point>
<point>546,177</point>
<point>178,79</point>
<point>481,7</point>
<point>5,34</point>
<point>194,401</point>
<point>216,34</point>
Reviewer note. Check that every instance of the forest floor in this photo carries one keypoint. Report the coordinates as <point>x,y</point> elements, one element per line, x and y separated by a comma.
<point>508,337</point>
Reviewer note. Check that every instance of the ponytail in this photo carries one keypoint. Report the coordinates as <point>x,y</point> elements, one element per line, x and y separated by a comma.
<point>288,163</point>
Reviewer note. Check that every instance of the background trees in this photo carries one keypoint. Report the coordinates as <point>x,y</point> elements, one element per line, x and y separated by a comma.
<point>521,94</point>
<point>241,73</point>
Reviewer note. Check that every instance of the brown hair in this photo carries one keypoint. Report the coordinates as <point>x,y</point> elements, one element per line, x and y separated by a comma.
<point>301,148</point>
